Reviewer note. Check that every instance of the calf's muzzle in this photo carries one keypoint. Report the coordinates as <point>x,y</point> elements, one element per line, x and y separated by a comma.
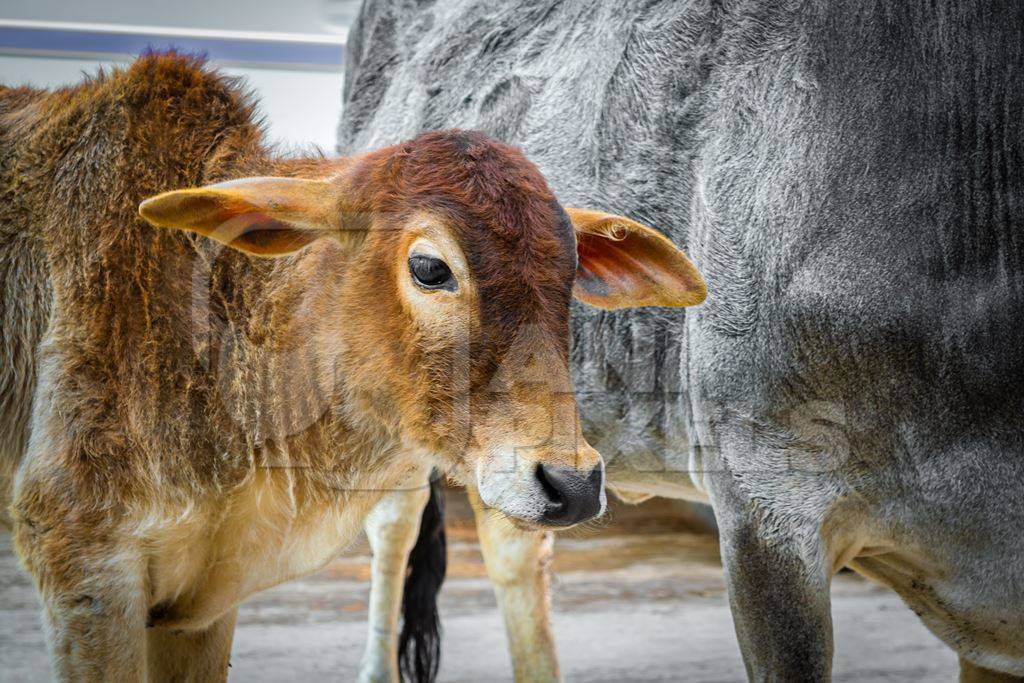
<point>572,496</point>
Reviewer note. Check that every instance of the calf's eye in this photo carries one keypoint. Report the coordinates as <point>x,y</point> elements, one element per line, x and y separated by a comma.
<point>431,273</point>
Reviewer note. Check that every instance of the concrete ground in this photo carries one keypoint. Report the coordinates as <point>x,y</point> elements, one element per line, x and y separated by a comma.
<point>640,598</point>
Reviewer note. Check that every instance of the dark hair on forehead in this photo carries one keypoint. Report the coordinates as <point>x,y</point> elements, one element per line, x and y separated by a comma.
<point>518,240</point>
<point>493,181</point>
<point>486,180</point>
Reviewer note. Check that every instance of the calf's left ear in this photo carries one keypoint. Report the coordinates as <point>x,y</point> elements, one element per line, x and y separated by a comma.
<point>623,264</point>
<point>264,216</point>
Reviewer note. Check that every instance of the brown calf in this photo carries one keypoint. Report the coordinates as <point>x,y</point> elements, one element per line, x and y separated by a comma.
<point>206,424</point>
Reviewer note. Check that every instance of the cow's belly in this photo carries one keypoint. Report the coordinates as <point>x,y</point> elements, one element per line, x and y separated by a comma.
<point>643,459</point>
<point>972,612</point>
<point>637,484</point>
<point>212,559</point>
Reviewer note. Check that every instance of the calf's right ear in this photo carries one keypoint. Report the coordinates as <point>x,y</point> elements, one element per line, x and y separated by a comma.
<point>623,264</point>
<point>264,216</point>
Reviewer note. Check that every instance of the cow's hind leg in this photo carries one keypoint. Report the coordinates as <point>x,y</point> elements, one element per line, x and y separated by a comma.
<point>517,563</point>
<point>391,529</point>
<point>187,656</point>
<point>972,673</point>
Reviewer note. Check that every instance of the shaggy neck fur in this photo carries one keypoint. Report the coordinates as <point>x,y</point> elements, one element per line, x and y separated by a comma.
<point>256,379</point>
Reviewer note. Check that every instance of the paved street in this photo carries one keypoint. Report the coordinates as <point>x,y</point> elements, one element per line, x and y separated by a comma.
<point>639,599</point>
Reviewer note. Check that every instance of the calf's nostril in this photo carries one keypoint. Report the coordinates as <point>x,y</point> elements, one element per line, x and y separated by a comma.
<point>551,491</point>
<point>572,496</point>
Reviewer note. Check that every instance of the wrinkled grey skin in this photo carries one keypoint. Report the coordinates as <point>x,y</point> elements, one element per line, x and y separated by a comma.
<point>848,178</point>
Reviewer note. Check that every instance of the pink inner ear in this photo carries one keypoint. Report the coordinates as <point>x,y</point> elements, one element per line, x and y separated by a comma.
<point>641,269</point>
<point>607,266</point>
<point>260,234</point>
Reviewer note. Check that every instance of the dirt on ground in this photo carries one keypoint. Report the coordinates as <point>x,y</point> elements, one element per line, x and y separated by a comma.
<point>637,597</point>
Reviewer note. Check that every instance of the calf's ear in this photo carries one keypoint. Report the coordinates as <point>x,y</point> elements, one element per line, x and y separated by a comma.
<point>623,264</point>
<point>264,216</point>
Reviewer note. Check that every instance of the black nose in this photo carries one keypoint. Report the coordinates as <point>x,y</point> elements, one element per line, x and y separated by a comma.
<point>573,496</point>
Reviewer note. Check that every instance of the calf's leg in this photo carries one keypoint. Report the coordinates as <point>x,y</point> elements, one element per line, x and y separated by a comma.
<point>391,527</point>
<point>517,563</point>
<point>94,602</point>
<point>180,656</point>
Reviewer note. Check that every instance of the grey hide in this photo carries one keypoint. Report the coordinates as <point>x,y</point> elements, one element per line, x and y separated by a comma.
<point>848,177</point>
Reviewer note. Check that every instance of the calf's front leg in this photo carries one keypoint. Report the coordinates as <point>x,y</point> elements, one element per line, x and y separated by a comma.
<point>201,656</point>
<point>94,604</point>
<point>391,528</point>
<point>517,563</point>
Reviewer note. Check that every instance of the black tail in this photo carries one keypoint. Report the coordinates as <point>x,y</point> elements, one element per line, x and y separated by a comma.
<point>419,644</point>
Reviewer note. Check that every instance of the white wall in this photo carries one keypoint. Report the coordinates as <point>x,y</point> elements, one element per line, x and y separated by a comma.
<point>285,16</point>
<point>302,106</point>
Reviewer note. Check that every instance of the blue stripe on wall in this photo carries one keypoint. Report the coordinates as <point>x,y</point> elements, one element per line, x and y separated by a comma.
<point>65,42</point>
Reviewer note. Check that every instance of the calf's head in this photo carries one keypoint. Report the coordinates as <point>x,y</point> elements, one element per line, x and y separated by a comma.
<point>452,322</point>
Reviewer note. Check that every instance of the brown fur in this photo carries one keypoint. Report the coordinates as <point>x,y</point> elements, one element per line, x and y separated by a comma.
<point>189,422</point>
<point>206,424</point>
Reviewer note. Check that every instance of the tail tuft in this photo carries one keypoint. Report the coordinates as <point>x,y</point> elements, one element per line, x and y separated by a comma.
<point>419,643</point>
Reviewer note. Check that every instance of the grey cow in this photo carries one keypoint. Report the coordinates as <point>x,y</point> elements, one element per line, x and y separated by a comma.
<point>848,177</point>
